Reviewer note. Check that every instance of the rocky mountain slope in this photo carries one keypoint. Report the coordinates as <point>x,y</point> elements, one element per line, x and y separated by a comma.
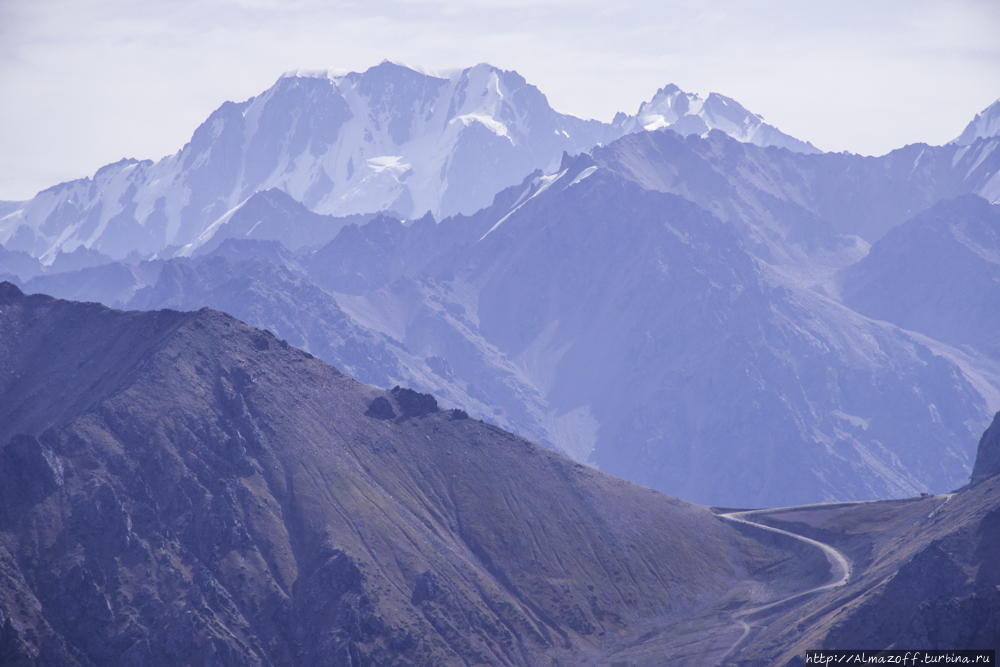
<point>180,488</point>
<point>988,454</point>
<point>666,352</point>
<point>938,274</point>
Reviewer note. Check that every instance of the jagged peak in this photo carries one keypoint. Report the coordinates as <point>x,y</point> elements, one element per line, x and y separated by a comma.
<point>986,124</point>
<point>689,113</point>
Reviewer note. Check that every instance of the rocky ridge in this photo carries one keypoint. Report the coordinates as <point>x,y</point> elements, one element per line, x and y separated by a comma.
<point>183,488</point>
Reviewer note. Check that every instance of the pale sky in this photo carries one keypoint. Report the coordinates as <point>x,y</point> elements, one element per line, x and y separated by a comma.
<point>87,82</point>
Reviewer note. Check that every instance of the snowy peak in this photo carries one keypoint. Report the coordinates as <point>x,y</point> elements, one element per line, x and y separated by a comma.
<point>396,96</point>
<point>668,106</point>
<point>390,139</point>
<point>688,113</point>
<point>985,124</point>
<point>482,96</point>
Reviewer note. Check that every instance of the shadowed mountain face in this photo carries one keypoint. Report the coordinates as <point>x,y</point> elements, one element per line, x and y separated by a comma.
<point>938,274</point>
<point>179,488</point>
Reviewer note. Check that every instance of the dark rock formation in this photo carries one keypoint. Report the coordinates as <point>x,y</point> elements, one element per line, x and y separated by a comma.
<point>426,588</point>
<point>937,273</point>
<point>29,471</point>
<point>412,403</point>
<point>381,408</point>
<point>988,454</point>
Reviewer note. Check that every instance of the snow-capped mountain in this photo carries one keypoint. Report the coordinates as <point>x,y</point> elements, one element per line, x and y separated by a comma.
<point>687,113</point>
<point>388,139</point>
<point>985,124</point>
<point>654,307</point>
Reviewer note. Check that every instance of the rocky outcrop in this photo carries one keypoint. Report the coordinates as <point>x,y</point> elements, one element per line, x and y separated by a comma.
<point>988,454</point>
<point>412,403</point>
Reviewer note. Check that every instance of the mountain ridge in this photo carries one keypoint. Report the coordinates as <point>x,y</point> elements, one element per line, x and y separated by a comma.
<point>985,124</point>
<point>220,495</point>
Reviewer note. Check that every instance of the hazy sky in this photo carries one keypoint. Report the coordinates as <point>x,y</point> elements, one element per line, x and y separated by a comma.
<point>87,82</point>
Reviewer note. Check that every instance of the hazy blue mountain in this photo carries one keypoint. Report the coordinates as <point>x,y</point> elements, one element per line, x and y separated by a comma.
<point>81,258</point>
<point>669,354</point>
<point>272,215</point>
<point>361,259</point>
<point>238,250</point>
<point>113,284</point>
<point>938,273</point>
<point>593,312</point>
<point>790,203</point>
<point>663,307</point>
<point>19,263</point>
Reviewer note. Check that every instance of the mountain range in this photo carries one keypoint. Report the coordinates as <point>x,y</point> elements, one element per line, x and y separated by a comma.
<point>388,139</point>
<point>723,314</point>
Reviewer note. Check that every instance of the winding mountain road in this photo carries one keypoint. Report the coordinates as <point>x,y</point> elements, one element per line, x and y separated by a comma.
<point>840,572</point>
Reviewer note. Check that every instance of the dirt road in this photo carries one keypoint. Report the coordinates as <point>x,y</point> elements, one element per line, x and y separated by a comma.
<point>840,573</point>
